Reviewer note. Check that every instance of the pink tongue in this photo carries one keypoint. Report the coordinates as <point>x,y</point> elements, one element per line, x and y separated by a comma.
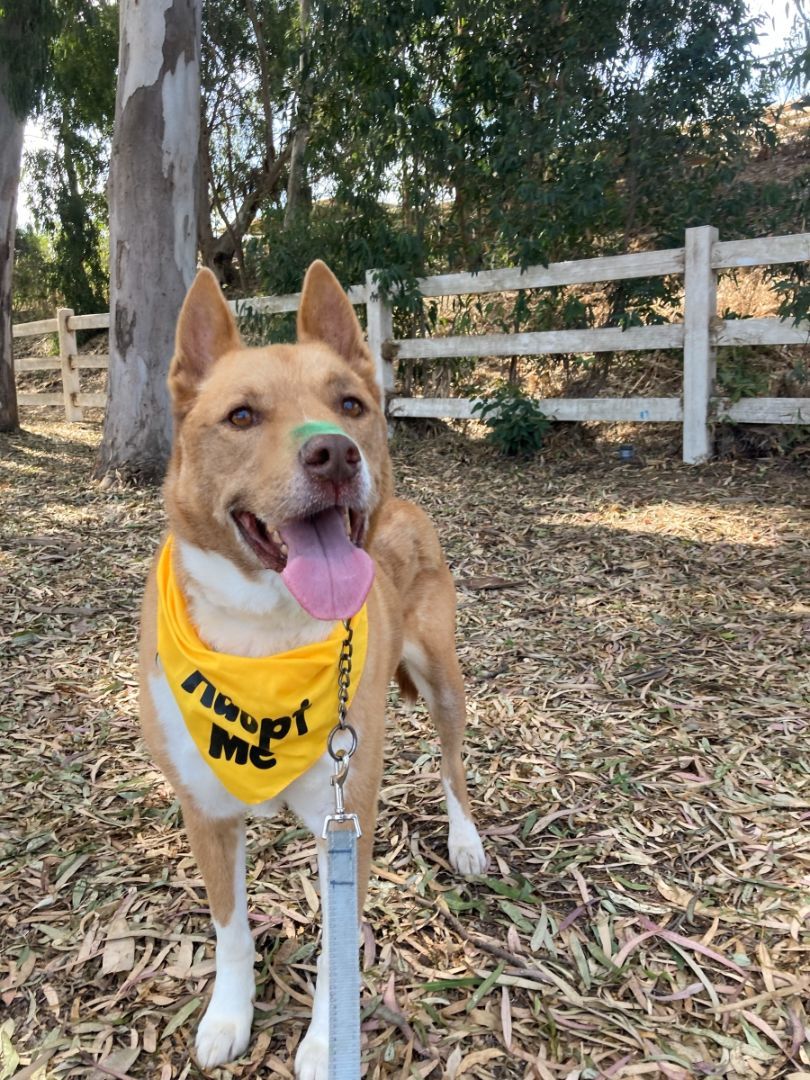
<point>328,576</point>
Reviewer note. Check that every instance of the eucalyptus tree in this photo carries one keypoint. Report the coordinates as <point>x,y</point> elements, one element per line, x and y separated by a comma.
<point>527,130</point>
<point>67,178</point>
<point>299,195</point>
<point>465,134</point>
<point>251,86</point>
<point>26,27</point>
<point>11,138</point>
<point>154,188</point>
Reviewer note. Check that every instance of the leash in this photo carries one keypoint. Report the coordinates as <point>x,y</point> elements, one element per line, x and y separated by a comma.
<point>342,922</point>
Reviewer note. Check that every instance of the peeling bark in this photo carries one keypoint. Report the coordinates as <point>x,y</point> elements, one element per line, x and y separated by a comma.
<point>11,140</point>
<point>154,191</point>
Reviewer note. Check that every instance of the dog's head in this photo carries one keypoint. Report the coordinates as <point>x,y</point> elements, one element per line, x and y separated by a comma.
<point>280,459</point>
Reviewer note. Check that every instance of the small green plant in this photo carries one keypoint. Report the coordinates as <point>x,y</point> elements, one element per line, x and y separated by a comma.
<point>738,378</point>
<point>516,424</point>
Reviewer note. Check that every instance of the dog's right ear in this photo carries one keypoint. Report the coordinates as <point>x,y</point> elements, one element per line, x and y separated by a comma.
<point>325,314</point>
<point>206,330</point>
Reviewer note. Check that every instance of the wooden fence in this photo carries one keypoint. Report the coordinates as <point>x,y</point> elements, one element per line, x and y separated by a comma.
<point>697,337</point>
<point>70,361</point>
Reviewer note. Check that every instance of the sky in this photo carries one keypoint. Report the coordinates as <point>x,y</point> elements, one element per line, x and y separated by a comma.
<point>777,18</point>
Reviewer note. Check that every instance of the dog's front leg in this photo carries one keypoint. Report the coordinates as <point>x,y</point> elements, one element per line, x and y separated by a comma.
<point>218,845</point>
<point>312,1058</point>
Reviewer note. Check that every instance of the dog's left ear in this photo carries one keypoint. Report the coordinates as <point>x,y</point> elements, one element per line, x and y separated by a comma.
<point>206,330</point>
<point>325,314</point>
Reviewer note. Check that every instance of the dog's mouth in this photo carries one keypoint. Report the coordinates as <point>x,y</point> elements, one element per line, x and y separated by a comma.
<point>320,558</point>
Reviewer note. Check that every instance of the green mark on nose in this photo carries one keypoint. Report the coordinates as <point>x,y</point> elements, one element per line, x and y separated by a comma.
<point>315,427</point>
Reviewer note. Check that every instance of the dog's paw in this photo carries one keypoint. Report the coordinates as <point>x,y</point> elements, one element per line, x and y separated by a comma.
<point>467,856</point>
<point>223,1034</point>
<point>312,1059</point>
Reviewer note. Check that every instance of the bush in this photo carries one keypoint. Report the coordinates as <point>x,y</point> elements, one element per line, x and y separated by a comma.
<point>516,424</point>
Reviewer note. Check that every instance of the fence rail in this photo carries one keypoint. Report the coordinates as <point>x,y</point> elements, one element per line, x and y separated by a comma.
<point>697,337</point>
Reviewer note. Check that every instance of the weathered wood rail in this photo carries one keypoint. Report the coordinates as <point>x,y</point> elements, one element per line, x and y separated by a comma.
<point>697,408</point>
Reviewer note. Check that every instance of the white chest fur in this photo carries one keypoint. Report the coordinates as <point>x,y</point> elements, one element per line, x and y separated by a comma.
<point>241,615</point>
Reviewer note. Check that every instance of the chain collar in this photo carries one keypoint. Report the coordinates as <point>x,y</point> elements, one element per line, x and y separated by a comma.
<point>341,755</point>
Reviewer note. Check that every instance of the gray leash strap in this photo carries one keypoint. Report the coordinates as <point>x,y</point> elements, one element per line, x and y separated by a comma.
<point>340,830</point>
<point>343,949</point>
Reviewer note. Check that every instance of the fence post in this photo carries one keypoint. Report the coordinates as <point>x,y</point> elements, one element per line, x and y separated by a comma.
<point>699,312</point>
<point>68,356</point>
<point>380,328</point>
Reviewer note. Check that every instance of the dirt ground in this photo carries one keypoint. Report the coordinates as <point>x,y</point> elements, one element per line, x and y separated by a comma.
<point>634,640</point>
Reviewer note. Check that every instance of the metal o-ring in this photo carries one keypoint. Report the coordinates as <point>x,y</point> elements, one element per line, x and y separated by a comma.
<point>336,755</point>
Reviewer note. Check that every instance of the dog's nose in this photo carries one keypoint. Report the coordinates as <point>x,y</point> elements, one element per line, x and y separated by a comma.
<point>330,457</point>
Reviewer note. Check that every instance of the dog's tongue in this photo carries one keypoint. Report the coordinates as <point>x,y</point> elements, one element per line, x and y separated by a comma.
<point>328,576</point>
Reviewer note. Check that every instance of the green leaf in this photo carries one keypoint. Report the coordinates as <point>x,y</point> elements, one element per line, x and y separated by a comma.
<point>517,916</point>
<point>450,984</point>
<point>486,986</point>
<point>181,1016</point>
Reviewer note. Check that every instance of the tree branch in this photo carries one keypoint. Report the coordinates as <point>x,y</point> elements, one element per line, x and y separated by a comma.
<point>255,22</point>
<point>262,184</point>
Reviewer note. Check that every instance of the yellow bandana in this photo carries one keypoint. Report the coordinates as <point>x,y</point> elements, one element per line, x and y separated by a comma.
<point>259,722</point>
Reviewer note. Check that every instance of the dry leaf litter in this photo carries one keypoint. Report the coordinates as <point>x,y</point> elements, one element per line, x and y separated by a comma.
<point>634,640</point>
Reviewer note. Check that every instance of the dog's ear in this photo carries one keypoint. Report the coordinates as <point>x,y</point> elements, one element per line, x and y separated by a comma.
<point>206,330</point>
<point>325,314</point>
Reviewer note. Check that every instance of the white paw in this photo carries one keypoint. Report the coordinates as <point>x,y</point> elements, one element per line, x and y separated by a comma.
<point>312,1059</point>
<point>467,855</point>
<point>223,1034</point>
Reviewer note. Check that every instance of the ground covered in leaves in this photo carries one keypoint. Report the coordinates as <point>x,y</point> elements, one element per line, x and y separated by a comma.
<point>634,640</point>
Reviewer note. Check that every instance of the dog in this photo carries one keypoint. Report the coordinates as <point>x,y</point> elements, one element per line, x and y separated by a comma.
<point>282,524</point>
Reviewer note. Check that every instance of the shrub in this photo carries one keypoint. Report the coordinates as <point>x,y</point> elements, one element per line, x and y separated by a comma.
<point>516,424</point>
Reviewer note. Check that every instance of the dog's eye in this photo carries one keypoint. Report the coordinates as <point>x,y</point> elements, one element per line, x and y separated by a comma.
<point>350,406</point>
<point>243,417</point>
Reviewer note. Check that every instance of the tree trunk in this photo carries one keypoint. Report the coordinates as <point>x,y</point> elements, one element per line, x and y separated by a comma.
<point>11,140</point>
<point>297,197</point>
<point>206,240</point>
<point>153,225</point>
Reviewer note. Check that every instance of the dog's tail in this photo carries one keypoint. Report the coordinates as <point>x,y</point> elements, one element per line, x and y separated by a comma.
<point>406,685</point>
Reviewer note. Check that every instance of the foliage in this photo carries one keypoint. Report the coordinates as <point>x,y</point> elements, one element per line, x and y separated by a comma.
<point>793,289</point>
<point>34,296</point>
<point>68,178</point>
<point>461,136</point>
<point>27,27</point>
<point>793,62</point>
<point>516,424</point>
<point>738,377</point>
<point>249,60</point>
<point>441,135</point>
<point>528,132</point>
<point>352,242</point>
<point>59,58</point>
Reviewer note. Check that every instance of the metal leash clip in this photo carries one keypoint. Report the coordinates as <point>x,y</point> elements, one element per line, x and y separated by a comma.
<point>338,779</point>
<point>342,755</point>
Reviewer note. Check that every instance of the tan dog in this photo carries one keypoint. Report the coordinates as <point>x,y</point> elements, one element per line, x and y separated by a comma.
<point>242,498</point>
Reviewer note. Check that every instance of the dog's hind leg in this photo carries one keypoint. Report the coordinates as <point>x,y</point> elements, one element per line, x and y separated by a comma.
<point>430,661</point>
<point>218,845</point>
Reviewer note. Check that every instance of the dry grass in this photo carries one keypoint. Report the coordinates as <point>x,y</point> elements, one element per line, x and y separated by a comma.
<point>634,642</point>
